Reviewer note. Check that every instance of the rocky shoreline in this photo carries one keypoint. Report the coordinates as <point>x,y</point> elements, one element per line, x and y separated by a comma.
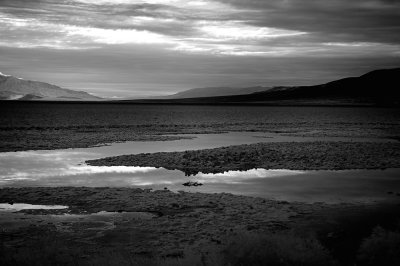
<point>284,155</point>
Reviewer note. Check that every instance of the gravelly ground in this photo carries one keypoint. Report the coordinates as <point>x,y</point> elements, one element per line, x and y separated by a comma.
<point>40,125</point>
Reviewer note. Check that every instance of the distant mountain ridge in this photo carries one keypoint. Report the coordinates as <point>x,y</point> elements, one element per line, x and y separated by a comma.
<point>379,87</point>
<point>12,88</point>
<point>212,92</point>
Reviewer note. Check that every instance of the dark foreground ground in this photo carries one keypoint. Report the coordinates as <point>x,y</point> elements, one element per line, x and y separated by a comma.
<point>193,229</point>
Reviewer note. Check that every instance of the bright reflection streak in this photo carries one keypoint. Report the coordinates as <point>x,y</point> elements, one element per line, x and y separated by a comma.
<point>242,176</point>
<point>25,206</point>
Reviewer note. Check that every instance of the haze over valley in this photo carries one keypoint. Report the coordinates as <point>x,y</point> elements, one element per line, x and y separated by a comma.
<point>379,87</point>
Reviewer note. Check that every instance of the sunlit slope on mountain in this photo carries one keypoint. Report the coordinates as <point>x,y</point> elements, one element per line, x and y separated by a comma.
<point>212,92</point>
<point>12,88</point>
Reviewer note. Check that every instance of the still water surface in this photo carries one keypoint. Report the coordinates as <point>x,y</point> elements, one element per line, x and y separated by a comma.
<point>67,168</point>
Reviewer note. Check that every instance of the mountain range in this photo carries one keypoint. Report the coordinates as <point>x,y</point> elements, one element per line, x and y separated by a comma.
<point>379,87</point>
<point>12,88</point>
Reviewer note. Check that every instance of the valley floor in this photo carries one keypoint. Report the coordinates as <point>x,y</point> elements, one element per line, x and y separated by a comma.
<point>146,227</point>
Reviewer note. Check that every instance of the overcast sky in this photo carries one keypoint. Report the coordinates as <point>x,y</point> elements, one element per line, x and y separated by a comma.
<point>154,47</point>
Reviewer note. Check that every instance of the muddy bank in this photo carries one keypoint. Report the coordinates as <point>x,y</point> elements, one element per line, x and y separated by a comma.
<point>286,155</point>
<point>179,222</point>
<point>180,219</point>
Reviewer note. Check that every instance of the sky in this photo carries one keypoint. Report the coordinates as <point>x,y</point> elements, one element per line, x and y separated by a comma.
<point>137,48</point>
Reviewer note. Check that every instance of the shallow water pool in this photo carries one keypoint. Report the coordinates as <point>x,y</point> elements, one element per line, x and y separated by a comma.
<point>67,168</point>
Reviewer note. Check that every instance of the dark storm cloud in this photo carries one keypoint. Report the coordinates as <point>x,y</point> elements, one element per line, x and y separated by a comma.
<point>356,20</point>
